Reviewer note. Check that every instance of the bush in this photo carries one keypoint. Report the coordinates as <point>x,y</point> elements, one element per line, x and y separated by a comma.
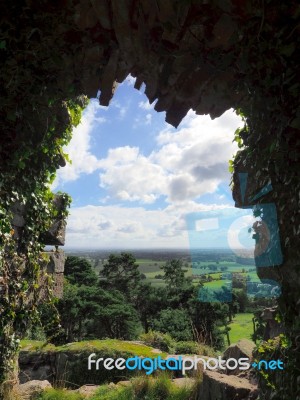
<point>175,322</point>
<point>189,347</point>
<point>162,341</point>
<point>186,348</point>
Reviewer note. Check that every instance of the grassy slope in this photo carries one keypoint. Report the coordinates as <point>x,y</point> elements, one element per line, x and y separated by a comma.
<point>241,327</point>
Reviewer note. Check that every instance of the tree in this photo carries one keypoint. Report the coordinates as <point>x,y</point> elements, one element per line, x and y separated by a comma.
<point>121,272</point>
<point>79,271</point>
<point>149,301</point>
<point>108,314</point>
<point>174,274</point>
<point>175,322</point>
<point>90,312</point>
<point>241,298</point>
<point>179,288</point>
<point>207,318</point>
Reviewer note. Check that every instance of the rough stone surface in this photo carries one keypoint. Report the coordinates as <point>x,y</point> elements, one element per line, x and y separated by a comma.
<point>56,235</point>
<point>216,386</point>
<point>36,366</point>
<point>57,261</point>
<point>55,268</point>
<point>58,285</point>
<point>183,382</point>
<point>242,349</point>
<point>273,328</point>
<point>87,390</point>
<point>32,389</point>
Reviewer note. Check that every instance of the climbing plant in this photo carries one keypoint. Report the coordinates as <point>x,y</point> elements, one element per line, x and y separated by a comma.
<point>232,53</point>
<point>22,258</point>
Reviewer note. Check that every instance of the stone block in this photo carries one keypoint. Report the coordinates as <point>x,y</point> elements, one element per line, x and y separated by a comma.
<point>218,386</point>
<point>56,262</point>
<point>242,349</point>
<point>55,268</point>
<point>32,389</point>
<point>18,209</point>
<point>56,235</point>
<point>58,288</point>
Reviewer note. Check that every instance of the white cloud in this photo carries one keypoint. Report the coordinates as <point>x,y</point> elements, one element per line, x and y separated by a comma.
<point>187,163</point>
<point>79,148</point>
<point>120,227</point>
<point>145,105</point>
<point>129,176</point>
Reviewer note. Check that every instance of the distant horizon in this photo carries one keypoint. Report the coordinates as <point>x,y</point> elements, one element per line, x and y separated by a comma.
<point>149,249</point>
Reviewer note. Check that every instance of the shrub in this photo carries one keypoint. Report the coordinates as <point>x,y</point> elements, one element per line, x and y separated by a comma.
<point>188,347</point>
<point>175,322</point>
<point>162,341</point>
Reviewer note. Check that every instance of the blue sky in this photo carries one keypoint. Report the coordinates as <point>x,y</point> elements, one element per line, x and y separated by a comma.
<point>134,178</point>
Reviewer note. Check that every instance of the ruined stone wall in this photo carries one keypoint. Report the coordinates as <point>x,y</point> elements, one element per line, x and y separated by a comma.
<point>53,261</point>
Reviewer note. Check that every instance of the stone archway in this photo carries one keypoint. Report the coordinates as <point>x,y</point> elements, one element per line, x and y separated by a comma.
<point>207,56</point>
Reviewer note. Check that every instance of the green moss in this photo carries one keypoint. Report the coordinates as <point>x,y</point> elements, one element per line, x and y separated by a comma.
<point>71,360</point>
<point>34,345</point>
<point>107,345</point>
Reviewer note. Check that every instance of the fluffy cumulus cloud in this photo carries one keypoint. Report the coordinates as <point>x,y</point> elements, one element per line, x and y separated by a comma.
<point>79,148</point>
<point>121,227</point>
<point>129,175</point>
<point>185,164</point>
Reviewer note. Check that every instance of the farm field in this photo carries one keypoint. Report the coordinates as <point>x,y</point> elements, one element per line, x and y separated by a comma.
<point>208,270</point>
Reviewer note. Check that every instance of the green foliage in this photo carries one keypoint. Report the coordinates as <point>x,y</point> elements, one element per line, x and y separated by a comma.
<point>121,272</point>
<point>175,322</point>
<point>174,274</point>
<point>162,341</point>
<point>21,256</point>
<point>93,312</point>
<point>59,394</point>
<point>79,271</point>
<point>150,388</point>
<point>189,347</point>
<point>140,388</point>
<point>272,380</point>
<point>111,346</point>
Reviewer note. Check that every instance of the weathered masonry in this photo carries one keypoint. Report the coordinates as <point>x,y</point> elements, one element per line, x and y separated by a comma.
<point>207,55</point>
